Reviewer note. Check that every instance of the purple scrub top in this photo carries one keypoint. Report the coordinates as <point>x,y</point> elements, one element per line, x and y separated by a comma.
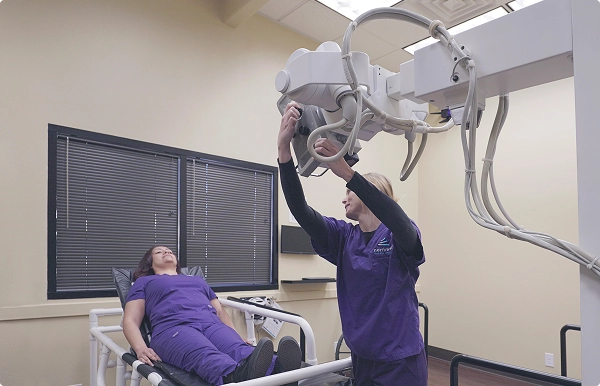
<point>173,300</point>
<point>376,291</point>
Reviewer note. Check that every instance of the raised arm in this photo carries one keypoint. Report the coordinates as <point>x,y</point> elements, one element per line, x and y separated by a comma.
<point>132,320</point>
<point>308,218</point>
<point>287,131</point>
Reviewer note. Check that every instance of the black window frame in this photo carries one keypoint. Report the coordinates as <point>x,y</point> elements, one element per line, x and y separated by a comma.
<point>54,131</point>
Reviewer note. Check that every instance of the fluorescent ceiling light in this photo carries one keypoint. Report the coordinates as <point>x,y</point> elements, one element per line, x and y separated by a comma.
<point>481,19</point>
<point>353,8</point>
<point>519,4</point>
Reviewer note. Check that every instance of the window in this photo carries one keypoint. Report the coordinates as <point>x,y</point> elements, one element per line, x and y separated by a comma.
<point>110,199</point>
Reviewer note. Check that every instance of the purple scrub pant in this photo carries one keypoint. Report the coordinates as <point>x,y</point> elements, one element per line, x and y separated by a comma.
<point>212,351</point>
<point>411,371</point>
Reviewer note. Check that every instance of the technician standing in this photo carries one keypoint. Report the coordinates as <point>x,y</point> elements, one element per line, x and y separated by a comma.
<point>377,266</point>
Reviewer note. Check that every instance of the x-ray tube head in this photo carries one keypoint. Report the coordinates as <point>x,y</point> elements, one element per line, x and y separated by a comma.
<point>343,110</point>
<point>312,118</point>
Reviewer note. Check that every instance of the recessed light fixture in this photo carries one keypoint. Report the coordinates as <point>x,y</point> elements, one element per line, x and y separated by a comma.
<point>519,4</point>
<point>353,8</point>
<point>481,19</point>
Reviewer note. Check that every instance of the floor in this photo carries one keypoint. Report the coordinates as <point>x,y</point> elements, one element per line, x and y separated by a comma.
<point>439,375</point>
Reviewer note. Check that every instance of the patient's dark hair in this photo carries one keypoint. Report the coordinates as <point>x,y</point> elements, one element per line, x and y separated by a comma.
<point>144,267</point>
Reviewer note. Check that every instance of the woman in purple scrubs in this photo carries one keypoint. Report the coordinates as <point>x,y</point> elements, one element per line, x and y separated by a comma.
<point>377,264</point>
<point>191,330</point>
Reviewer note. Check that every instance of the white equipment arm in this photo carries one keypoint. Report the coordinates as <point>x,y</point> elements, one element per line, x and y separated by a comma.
<point>445,75</point>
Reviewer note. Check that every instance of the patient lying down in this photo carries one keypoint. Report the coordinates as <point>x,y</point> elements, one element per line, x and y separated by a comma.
<point>191,330</point>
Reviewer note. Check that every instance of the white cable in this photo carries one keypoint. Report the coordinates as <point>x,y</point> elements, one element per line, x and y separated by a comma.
<point>436,28</point>
<point>575,255</point>
<point>379,116</point>
<point>484,216</point>
<point>312,138</point>
<point>357,122</point>
<point>590,265</point>
<point>490,153</point>
<point>408,168</point>
<point>499,204</point>
<point>488,163</point>
<point>440,129</point>
<point>409,152</point>
<point>469,147</point>
<point>433,28</point>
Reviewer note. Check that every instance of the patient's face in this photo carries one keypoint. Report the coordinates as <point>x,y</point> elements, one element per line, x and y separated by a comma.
<point>163,257</point>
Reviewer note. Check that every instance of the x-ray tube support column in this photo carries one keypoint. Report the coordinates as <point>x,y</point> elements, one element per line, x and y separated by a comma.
<point>587,99</point>
<point>556,39</point>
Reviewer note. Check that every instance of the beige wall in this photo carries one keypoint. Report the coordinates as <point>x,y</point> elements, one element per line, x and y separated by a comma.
<point>172,73</point>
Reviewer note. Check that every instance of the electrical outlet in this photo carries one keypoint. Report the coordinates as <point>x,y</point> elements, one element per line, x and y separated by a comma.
<point>549,360</point>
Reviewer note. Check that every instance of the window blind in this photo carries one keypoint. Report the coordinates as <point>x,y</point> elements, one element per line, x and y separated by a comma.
<point>111,203</point>
<point>229,223</point>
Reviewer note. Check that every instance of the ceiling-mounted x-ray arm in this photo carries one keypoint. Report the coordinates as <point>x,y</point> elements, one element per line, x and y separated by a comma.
<point>351,97</point>
<point>444,74</point>
<point>526,48</point>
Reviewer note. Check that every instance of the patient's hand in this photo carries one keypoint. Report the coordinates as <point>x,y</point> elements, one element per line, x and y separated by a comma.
<point>147,355</point>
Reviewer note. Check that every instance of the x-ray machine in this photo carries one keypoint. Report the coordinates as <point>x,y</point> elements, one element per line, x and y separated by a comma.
<point>347,100</point>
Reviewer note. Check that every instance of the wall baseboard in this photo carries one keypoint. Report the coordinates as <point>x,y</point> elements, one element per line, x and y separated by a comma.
<point>442,353</point>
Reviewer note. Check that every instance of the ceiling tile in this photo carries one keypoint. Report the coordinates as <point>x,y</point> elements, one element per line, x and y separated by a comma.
<point>450,12</point>
<point>398,33</point>
<point>315,20</point>
<point>278,9</point>
<point>368,43</point>
<point>393,60</point>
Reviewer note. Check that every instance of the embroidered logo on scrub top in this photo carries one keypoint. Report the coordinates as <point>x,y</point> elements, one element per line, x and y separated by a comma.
<point>383,247</point>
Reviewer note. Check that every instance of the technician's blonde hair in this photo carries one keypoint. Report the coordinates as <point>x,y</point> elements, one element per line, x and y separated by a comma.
<point>382,183</point>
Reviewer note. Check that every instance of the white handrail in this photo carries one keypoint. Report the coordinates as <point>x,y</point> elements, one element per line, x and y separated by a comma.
<point>297,375</point>
<point>93,320</point>
<point>311,349</point>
